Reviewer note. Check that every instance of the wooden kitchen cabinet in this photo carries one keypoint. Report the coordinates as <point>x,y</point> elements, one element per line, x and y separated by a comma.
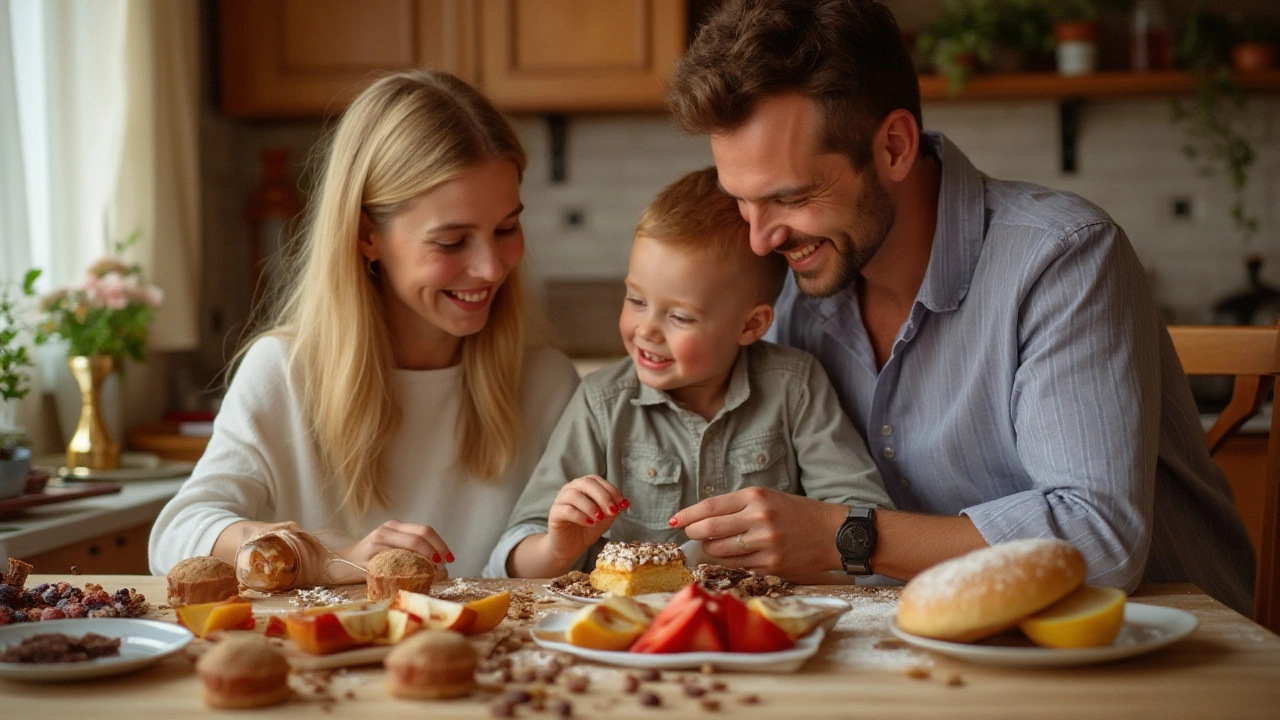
<point>307,58</point>
<point>123,552</point>
<point>579,55</point>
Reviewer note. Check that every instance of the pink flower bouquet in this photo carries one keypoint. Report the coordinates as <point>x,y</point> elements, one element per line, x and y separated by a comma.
<point>108,314</point>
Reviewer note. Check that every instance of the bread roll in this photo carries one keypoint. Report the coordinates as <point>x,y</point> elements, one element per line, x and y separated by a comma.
<point>989,590</point>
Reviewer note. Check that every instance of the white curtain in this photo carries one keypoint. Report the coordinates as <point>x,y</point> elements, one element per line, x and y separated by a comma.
<point>107,97</point>
<point>103,142</point>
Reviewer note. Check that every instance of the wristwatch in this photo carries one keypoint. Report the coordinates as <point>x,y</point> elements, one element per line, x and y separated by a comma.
<point>856,540</point>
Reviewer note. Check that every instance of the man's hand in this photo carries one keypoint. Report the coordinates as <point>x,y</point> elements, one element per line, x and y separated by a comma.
<point>766,531</point>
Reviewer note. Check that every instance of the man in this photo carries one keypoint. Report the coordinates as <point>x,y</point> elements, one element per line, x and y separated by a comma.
<point>996,342</point>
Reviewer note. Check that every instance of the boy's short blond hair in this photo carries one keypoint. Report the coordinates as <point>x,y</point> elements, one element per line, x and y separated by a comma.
<point>694,216</point>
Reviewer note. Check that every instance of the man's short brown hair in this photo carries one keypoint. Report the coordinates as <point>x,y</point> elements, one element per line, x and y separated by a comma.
<point>694,216</point>
<point>848,56</point>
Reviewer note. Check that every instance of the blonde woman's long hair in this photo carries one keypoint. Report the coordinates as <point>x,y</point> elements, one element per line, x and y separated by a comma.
<point>402,136</point>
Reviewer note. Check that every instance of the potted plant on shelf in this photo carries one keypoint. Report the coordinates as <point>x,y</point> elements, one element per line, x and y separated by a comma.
<point>960,41</point>
<point>1023,36</point>
<point>103,320</point>
<point>1214,140</point>
<point>1075,34</point>
<point>15,383</point>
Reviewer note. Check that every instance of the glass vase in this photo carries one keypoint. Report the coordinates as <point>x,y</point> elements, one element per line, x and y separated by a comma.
<point>92,445</point>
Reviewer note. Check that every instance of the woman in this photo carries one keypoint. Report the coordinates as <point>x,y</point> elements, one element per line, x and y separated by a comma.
<point>395,386</point>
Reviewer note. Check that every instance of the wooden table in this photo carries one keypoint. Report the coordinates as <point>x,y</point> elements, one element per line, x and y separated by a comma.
<point>1229,668</point>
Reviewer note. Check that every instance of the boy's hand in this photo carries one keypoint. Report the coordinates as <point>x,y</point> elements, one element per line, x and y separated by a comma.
<point>584,509</point>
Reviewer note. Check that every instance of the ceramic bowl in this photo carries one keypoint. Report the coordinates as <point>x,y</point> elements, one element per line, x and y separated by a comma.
<point>13,473</point>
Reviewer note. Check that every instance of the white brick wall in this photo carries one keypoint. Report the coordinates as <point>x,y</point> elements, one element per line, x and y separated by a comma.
<point>1130,163</point>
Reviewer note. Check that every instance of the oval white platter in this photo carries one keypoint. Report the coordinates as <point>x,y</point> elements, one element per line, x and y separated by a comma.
<point>1146,628</point>
<point>142,643</point>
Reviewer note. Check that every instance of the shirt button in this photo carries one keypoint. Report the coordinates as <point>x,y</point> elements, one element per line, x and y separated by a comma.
<point>904,484</point>
<point>888,452</point>
<point>651,472</point>
<point>887,430</point>
<point>708,489</point>
<point>761,458</point>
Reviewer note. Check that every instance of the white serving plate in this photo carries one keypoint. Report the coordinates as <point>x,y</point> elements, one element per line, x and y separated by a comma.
<point>547,631</point>
<point>1146,628</point>
<point>143,643</point>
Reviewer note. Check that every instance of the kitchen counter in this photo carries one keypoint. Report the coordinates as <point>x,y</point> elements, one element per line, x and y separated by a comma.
<point>48,527</point>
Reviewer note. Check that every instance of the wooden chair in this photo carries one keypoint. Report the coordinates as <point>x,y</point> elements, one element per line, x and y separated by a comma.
<point>1252,356</point>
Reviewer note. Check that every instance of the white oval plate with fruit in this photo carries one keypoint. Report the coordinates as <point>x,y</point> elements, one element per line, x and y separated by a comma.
<point>1146,628</point>
<point>694,628</point>
<point>142,643</point>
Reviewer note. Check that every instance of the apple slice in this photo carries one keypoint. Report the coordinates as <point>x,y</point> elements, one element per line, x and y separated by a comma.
<point>634,609</point>
<point>489,612</point>
<point>400,625</point>
<point>599,627</point>
<point>436,614</point>
<point>334,628</point>
<point>793,615</point>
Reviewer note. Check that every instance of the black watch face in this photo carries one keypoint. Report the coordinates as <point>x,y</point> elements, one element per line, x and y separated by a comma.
<point>854,540</point>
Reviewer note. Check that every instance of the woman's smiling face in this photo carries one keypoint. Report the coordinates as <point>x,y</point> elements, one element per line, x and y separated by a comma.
<point>444,257</point>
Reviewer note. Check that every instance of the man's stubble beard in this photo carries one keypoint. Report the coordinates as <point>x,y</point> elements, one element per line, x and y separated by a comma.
<point>875,212</point>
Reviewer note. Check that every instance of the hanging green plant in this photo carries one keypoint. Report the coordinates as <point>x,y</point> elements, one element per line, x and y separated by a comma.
<point>1211,119</point>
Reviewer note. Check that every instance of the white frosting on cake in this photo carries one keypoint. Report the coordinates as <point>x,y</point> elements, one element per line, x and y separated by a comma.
<point>631,555</point>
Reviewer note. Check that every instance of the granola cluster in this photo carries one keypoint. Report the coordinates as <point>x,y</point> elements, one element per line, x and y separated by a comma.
<point>743,583</point>
<point>55,601</point>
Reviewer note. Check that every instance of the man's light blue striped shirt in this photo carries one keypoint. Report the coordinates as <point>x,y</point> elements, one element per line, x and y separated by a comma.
<point>1034,388</point>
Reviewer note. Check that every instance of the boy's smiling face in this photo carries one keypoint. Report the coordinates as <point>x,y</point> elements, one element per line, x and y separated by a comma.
<point>683,321</point>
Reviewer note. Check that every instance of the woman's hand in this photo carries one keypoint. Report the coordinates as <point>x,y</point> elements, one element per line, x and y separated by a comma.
<point>394,534</point>
<point>583,510</point>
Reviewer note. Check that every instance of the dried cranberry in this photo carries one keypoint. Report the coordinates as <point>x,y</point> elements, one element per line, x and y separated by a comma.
<point>52,614</point>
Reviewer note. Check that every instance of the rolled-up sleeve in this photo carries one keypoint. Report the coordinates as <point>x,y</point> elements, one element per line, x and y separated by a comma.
<point>1086,409</point>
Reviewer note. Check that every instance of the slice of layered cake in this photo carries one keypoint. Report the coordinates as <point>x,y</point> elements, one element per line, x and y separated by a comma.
<point>636,568</point>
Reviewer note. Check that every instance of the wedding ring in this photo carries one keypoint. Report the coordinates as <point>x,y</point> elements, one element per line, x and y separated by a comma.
<point>741,542</point>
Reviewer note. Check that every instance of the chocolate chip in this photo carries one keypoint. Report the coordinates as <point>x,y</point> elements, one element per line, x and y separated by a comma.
<point>564,708</point>
<point>629,683</point>
<point>710,704</point>
<point>954,680</point>
<point>718,686</point>
<point>577,683</point>
<point>649,699</point>
<point>694,690</point>
<point>750,699</point>
<point>650,675</point>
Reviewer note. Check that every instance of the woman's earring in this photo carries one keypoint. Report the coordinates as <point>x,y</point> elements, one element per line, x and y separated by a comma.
<point>371,268</point>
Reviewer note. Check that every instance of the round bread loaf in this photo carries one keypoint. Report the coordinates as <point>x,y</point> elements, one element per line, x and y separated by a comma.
<point>989,590</point>
<point>244,672</point>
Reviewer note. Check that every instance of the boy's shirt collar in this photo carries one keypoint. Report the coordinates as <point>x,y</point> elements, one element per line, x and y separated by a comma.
<point>738,392</point>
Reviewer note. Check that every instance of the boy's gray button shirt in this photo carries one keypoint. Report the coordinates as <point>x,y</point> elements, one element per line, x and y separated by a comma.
<point>781,427</point>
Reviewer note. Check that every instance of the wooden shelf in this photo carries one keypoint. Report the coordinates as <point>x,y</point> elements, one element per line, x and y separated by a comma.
<point>1050,86</point>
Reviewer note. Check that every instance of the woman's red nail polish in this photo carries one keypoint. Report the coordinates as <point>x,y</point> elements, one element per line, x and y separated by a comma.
<point>624,504</point>
<point>673,522</point>
<point>613,509</point>
<point>435,558</point>
<point>599,514</point>
<point>449,557</point>
<point>590,521</point>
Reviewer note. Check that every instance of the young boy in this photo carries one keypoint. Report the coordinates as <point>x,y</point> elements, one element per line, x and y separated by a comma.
<point>699,408</point>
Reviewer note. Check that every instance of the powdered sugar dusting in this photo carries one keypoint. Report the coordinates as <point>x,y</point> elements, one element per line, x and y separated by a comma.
<point>861,638</point>
<point>998,566</point>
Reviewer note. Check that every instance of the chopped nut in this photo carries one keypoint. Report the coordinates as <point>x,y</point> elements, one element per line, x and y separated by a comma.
<point>629,683</point>
<point>577,683</point>
<point>650,675</point>
<point>564,708</point>
<point>750,699</point>
<point>718,686</point>
<point>915,672</point>
<point>954,680</point>
<point>710,704</point>
<point>707,669</point>
<point>694,690</point>
<point>649,699</point>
